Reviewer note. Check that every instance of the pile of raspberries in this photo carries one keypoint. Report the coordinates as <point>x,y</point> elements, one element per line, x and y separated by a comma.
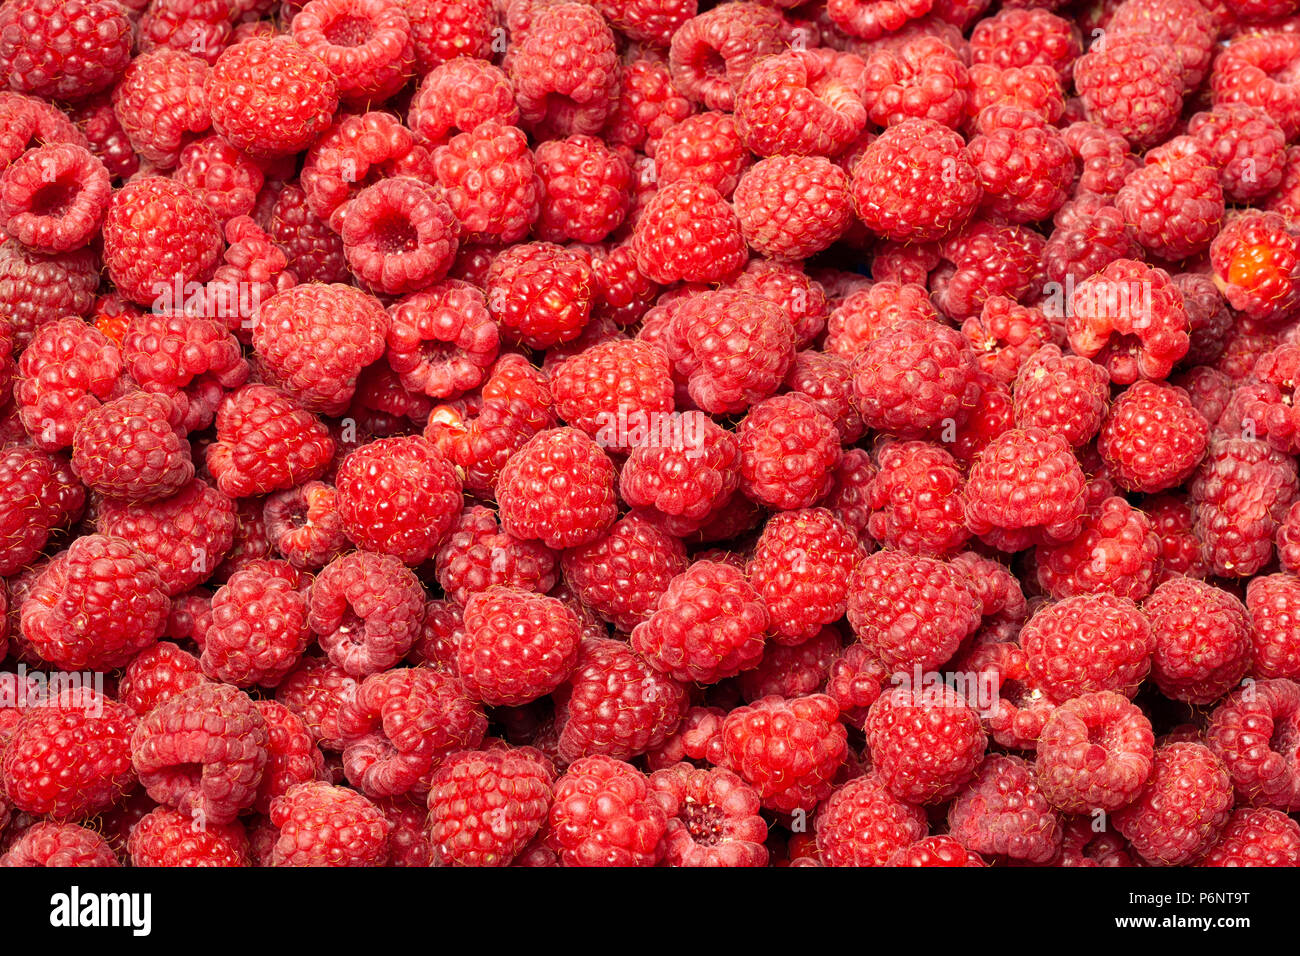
<point>649,432</point>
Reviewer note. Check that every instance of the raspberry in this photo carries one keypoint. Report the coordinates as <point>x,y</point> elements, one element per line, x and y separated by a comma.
<point>622,574</point>
<point>1246,146</point>
<point>1240,493</point>
<point>709,624</point>
<point>540,294</point>
<point>316,691</point>
<point>458,95</point>
<point>399,235</point>
<point>1270,599</point>
<point>365,610</point>
<point>1287,540</point>
<point>688,232</point>
<point>614,380</point>
<point>916,500</point>
<point>63,49</point>
<point>703,149</point>
<point>915,378</point>
<point>1088,643</point>
<point>683,481</point>
<point>313,251</point>
<point>155,674</point>
<point>1142,108</point>
<point>227,181</point>
<point>1174,202</point>
<point>496,153</point>
<point>517,646</point>
<point>258,629</point>
<point>865,314</point>
<point>869,19</point>
<point>155,232</point>
<point>1256,838</point>
<point>165,837</point>
<point>1006,334</point>
<point>1183,808</point>
<point>69,758</point>
<point>1254,732</point>
<point>986,260</point>
<point>175,353</point>
<point>477,555</point>
<point>270,97</point>
<point>52,198</point>
<point>1083,245</point>
<point>557,488</point>
<point>1255,70</point>
<point>485,806</point>
<point>585,184</point>
<point>314,340</point>
<point>61,845</point>
<point>1256,260</point>
<point>42,495</point>
<point>1019,37</point>
<point>127,449</point>
<point>615,704</point>
<point>365,43</point>
<point>648,104</point>
<point>202,752</point>
<point>1153,438</point>
<point>442,30</point>
<point>95,605</point>
<point>713,818</point>
<point>1024,165</point>
<point>935,851</point>
<point>799,103</point>
<point>1005,814</point>
<point>792,671</point>
<point>863,824</point>
<point>1061,394</point>
<point>921,77</point>
<point>324,825</point>
<point>1033,90</point>
<point>401,724</point>
<point>1185,25</point>
<point>788,450</point>
<point>711,54</point>
<point>924,745</point>
<point>1094,752</point>
<point>1129,318</point>
<point>1025,487</point>
<point>1202,640</point>
<point>160,100</point>
<point>565,71</point>
<point>1116,553</point>
<point>894,183</point>
<point>36,289</point>
<point>793,207</point>
<point>605,813</point>
<point>266,442</point>
<point>787,750</point>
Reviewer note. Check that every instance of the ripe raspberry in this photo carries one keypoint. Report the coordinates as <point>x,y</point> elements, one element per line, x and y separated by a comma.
<point>920,77</point>
<point>1256,260</point>
<point>1085,241</point>
<point>477,554</point>
<point>1174,201</point>
<point>925,742</point>
<point>258,629</point>
<point>869,19</point>
<point>166,837</point>
<point>540,294</point>
<point>42,494</point>
<point>314,251</point>
<point>688,232</point>
<point>61,845</point>
<point>316,691</point>
<point>865,314</point>
<point>1005,814</point>
<point>1019,36</point>
<point>497,153</point>
<point>159,101</point>
<point>615,704</point>
<point>303,524</point>
<point>270,97</point>
<point>1145,106</point>
<point>1130,318</point>
<point>916,500</point>
<point>604,813</point>
<point>863,824</point>
<point>894,184</point>
<point>622,574</point>
<point>704,149</point>
<point>127,449</point>
<point>786,671</point>
<point>1202,640</point>
<point>1117,552</point>
<point>63,49</point>
<point>1094,752</point>
<point>226,180</point>
<point>324,825</point>
<point>442,340</point>
<point>792,207</point>
<point>683,481</point>
<point>648,104</point>
<point>708,625</point>
<point>266,442</point>
<point>155,674</point>
<point>156,233</point>
<point>788,451</point>
<point>1088,643</point>
<point>1153,438</point>
<point>565,71</point>
<point>1005,334</point>
<point>1061,394</point>
<point>365,43</point>
<point>713,818</point>
<point>1183,808</point>
<point>454,97</point>
<point>95,605</point>
<point>585,184</point>
<point>618,380</point>
<point>1024,166</point>
<point>787,750</point>
<point>486,805</point>
<point>517,646</point>
<point>399,235</point>
<point>935,851</point>
<point>1255,70</point>
<point>1025,487</point>
<point>202,752</point>
<point>1270,599</point>
<point>69,758</point>
<point>442,30</point>
<point>711,54</point>
<point>1186,25</point>
<point>1254,732</point>
<point>1246,146</point>
<point>1256,838</point>
<point>52,198</point>
<point>37,289</point>
<point>1035,90</point>
<point>799,103</point>
<point>1287,540</point>
<point>559,488</point>
<point>366,611</point>
<point>1240,493</point>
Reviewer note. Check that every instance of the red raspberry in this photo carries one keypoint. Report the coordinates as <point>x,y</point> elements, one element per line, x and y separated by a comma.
<point>624,380</point>
<point>703,149</point>
<point>1085,244</point>
<point>365,43</point>
<point>1270,599</point>
<point>799,103</point>
<point>1239,494</point>
<point>585,184</point>
<point>870,19</point>
<point>158,232</point>
<point>1186,25</point>
<point>42,494</point>
<point>803,298</point>
<point>688,232</point>
<point>713,818</point>
<point>316,691</point>
<point>925,742</point>
<point>517,646</point>
<point>477,554</point>
<point>1245,145</point>
<point>356,152</point>
<point>1088,643</point>
<point>399,235</point>
<point>865,314</point>
<point>366,610</point>
<point>1024,165</point>
<point>615,704</point>
<point>160,100</point>
<point>605,813</point>
<point>175,353</point>
<point>1284,198</point>
<point>863,824</point>
<point>1287,540</point>
<point>1035,90</point>
<point>894,184</point>
<point>648,104</point>
<point>266,442</point>
<point>1018,37</point>
<point>916,500</point>
<point>166,837</point>
<point>921,77</point>
<point>441,340</point>
<point>37,289</point>
<point>1153,438</point>
<point>155,674</point>
<point>95,605</point>
<point>1202,640</point>
<point>401,724</point>
<point>854,681</point>
<point>442,30</point>
<point>202,752</point>
<point>63,49</point>
<point>1183,808</point>
<point>986,260</point>
<point>681,481</point>
<point>540,294</point>
<point>127,449</point>
<point>458,95</point>
<point>1116,553</point>
<point>787,671</point>
<point>788,450</point>
<point>258,629</point>
<point>1130,318</point>
<point>1256,260</point>
<point>1174,201</point>
<point>559,488</point>
<point>791,207</point>
<point>1254,732</point>
<point>935,851</point>
<point>708,625</point>
<point>1256,70</point>
<point>1025,487</point>
<point>1005,814</point>
<point>226,180</point>
<point>486,805</point>
<point>565,71</point>
<point>1256,838</point>
<point>826,379</point>
<point>1145,106</point>
<point>787,750</point>
<point>1005,334</point>
<point>1062,394</point>
<point>69,757</point>
<point>296,96</point>
<point>711,54</point>
<point>61,845</point>
<point>622,574</point>
<point>52,198</point>
<point>304,526</point>
<point>324,825</point>
<point>496,153</point>
<point>1094,752</point>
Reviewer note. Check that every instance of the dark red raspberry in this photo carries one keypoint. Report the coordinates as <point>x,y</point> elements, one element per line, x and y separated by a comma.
<point>517,645</point>
<point>713,818</point>
<point>258,630</point>
<point>1258,837</point>
<point>365,43</point>
<point>314,251</point>
<point>365,610</point>
<point>324,825</point>
<point>63,49</point>
<point>1130,318</point>
<point>1255,70</point>
<point>95,605</point>
<point>497,153</point>
<point>565,71</point>
<point>1202,640</point>
<point>225,179</point>
<point>983,260</point>
<point>42,495</point>
<point>925,742</point>
<point>155,674</point>
<point>486,805</point>
<point>1255,732</point>
<point>920,77</point>
<point>616,704</point>
<point>1019,36</point>
<point>935,851</point>
<point>863,824</point>
<point>127,448</point>
<point>540,294</point>
<point>622,574</point>
<point>61,845</point>
<point>1116,552</point>
<point>270,97</point>
<point>1256,260</point>
<point>799,103</point>
<point>916,500</point>
<point>160,101</point>
<point>1142,106</point>
<point>916,182</point>
<point>1271,600</point>
<point>52,198</point>
<point>1173,202</point>
<point>605,813</point>
<point>1062,394</point>
<point>787,750</point>
<point>316,691</point>
<point>202,752</point>
<point>1094,753</point>
<point>1088,643</point>
<point>791,207</point>
<point>708,625</point>
<point>688,232</point>
<point>266,442</point>
<point>166,837</point>
<point>1239,494</point>
<point>1183,808</point>
<point>1004,814</point>
<point>711,54</point>
<point>36,289</point>
<point>477,554</point>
